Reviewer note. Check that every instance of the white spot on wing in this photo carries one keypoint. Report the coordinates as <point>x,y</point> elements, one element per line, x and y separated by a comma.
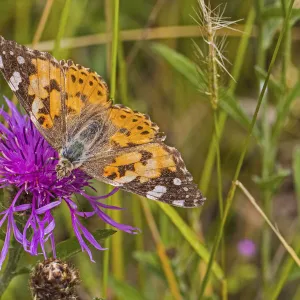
<point>178,203</point>
<point>1,62</point>
<point>157,192</point>
<point>177,181</point>
<point>37,105</point>
<point>14,81</point>
<point>127,178</point>
<point>20,60</point>
<point>11,53</point>
<point>151,197</point>
<point>185,189</point>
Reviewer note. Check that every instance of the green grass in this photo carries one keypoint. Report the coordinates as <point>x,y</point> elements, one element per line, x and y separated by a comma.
<point>243,127</point>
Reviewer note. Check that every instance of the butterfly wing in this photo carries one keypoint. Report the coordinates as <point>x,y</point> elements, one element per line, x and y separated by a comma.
<point>137,160</point>
<point>38,82</point>
<point>67,101</point>
<point>53,93</point>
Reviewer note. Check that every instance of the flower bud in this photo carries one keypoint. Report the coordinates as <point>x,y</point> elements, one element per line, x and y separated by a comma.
<point>54,279</point>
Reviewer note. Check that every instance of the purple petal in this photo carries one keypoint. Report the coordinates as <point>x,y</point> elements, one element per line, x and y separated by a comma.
<point>115,224</point>
<point>80,239</point>
<point>50,227</point>
<point>5,247</point>
<point>47,207</point>
<point>22,207</point>
<point>104,196</point>
<point>4,218</point>
<point>90,237</point>
<point>85,214</point>
<point>53,245</point>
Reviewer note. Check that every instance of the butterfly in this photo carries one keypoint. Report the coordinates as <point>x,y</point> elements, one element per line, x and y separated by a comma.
<point>70,106</point>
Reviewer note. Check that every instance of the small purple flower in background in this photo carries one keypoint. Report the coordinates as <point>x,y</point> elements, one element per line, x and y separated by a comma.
<point>27,167</point>
<point>246,247</point>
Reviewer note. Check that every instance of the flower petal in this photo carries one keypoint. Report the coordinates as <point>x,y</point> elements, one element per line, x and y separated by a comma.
<point>90,237</point>
<point>5,247</point>
<point>47,207</point>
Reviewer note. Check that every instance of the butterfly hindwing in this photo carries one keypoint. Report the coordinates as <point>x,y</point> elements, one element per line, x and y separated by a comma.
<point>154,170</point>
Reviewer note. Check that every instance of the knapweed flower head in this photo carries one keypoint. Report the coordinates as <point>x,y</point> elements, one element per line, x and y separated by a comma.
<point>246,247</point>
<point>54,279</point>
<point>27,167</point>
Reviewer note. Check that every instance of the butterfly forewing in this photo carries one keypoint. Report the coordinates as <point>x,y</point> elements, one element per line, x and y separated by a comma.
<point>38,82</point>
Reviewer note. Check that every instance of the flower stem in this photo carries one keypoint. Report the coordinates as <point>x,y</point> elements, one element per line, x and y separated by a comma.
<point>12,264</point>
<point>115,45</point>
<point>161,252</point>
<point>42,23</point>
<point>113,79</point>
<point>62,27</point>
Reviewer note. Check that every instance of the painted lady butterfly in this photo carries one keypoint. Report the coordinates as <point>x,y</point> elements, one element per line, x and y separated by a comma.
<point>70,106</point>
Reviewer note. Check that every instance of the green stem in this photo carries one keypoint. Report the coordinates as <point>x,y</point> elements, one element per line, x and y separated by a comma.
<point>221,201</point>
<point>265,151</point>
<point>62,27</point>
<point>283,102</point>
<point>139,243</point>
<point>123,82</point>
<point>284,274</point>
<point>242,156</point>
<point>12,264</point>
<point>113,80</point>
<point>114,50</point>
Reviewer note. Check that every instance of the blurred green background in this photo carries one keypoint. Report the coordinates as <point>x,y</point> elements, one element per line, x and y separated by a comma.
<point>156,75</point>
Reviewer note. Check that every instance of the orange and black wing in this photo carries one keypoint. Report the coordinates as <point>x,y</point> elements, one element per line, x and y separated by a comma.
<point>53,93</point>
<point>135,158</point>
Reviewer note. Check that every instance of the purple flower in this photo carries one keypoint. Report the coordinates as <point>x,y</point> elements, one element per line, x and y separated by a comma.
<point>246,247</point>
<point>27,168</point>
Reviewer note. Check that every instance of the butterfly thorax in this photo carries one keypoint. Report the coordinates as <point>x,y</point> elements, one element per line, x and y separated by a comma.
<point>70,158</point>
<point>78,148</point>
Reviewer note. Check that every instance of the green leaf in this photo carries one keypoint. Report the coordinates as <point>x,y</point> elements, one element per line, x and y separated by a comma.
<point>151,261</point>
<point>284,106</point>
<point>179,62</point>
<point>2,235</point>
<point>233,109</point>
<point>276,12</point>
<point>294,275</point>
<point>191,72</point>
<point>124,291</point>
<point>70,247</point>
<point>23,270</point>
<point>296,170</point>
<point>274,85</point>
<point>272,182</point>
<point>191,237</point>
<point>270,29</point>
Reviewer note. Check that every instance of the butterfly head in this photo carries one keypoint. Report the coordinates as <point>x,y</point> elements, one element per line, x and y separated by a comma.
<point>63,168</point>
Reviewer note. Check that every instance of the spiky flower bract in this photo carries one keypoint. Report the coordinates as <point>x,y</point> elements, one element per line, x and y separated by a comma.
<point>54,279</point>
<point>27,168</point>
